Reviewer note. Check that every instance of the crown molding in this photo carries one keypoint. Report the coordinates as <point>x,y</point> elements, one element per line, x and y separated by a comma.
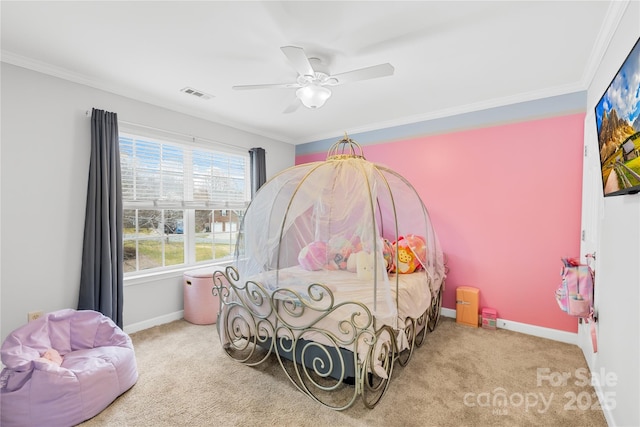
<point>614,15</point>
<point>63,73</point>
<point>456,111</point>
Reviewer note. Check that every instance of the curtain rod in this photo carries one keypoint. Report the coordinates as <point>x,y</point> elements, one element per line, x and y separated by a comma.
<point>192,137</point>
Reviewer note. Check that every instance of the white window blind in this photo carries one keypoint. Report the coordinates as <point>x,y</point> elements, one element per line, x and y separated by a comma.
<point>158,174</point>
<point>218,180</point>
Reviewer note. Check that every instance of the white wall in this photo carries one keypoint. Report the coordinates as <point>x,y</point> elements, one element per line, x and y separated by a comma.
<point>44,170</point>
<point>612,231</point>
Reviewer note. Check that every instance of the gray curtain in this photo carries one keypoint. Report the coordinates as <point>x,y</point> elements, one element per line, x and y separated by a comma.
<point>258,169</point>
<point>101,277</point>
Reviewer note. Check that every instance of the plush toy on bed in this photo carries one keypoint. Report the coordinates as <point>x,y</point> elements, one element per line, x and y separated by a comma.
<point>388,256</point>
<point>411,251</point>
<point>352,263</point>
<point>313,256</point>
<point>339,250</point>
<point>362,263</point>
<point>365,265</point>
<point>388,253</point>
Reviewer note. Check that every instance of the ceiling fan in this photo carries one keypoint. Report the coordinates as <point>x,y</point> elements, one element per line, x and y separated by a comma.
<point>313,81</point>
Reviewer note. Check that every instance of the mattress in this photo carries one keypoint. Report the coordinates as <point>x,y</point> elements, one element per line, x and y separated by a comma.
<point>413,289</point>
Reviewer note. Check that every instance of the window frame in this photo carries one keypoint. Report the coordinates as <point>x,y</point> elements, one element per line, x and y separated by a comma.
<point>188,207</point>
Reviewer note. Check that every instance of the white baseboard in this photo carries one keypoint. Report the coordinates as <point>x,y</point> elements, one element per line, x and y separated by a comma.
<point>135,327</point>
<point>537,331</point>
<point>448,312</point>
<point>606,409</point>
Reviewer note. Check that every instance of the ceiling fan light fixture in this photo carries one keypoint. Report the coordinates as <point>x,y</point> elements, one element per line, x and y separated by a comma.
<point>313,95</point>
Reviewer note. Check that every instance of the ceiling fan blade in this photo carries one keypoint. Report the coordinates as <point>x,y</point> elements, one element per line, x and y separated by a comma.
<point>293,106</point>
<point>373,72</point>
<point>299,60</point>
<point>267,86</point>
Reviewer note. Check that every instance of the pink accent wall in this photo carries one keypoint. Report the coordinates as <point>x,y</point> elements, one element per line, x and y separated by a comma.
<point>506,205</point>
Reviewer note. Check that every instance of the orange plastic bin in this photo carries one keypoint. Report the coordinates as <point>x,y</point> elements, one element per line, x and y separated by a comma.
<point>200,306</point>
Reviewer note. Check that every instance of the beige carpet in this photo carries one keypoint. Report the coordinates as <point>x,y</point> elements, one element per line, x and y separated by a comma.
<point>454,379</point>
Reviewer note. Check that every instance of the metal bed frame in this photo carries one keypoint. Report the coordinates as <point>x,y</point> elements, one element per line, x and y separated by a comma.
<point>334,370</point>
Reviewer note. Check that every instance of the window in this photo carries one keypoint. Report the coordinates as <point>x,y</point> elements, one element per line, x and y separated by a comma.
<point>183,204</point>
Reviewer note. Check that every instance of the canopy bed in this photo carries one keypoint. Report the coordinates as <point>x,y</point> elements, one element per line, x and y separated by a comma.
<point>338,272</point>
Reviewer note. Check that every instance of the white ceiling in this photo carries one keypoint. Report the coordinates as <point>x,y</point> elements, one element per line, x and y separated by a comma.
<point>450,57</point>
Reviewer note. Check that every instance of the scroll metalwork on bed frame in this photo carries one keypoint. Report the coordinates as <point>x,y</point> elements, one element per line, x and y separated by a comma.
<point>316,249</point>
<point>331,368</point>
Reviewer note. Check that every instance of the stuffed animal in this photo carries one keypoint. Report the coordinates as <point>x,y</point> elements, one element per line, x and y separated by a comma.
<point>388,253</point>
<point>419,248</point>
<point>411,251</point>
<point>406,261</point>
<point>313,256</point>
<point>339,249</point>
<point>364,265</point>
<point>352,263</point>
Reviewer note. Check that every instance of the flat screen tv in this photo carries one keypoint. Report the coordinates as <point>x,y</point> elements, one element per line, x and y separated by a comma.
<point>618,123</point>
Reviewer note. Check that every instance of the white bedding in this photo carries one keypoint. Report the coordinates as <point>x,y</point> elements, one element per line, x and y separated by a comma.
<point>414,295</point>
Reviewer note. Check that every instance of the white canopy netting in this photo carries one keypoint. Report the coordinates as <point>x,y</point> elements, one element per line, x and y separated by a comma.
<point>342,217</point>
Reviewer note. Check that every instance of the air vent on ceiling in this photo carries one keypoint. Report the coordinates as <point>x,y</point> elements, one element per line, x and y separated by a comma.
<point>197,93</point>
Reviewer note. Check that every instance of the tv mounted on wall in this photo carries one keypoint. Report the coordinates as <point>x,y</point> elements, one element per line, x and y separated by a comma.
<point>618,124</point>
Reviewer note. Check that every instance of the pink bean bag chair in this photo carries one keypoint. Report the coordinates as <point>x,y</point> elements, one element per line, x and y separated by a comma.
<point>64,368</point>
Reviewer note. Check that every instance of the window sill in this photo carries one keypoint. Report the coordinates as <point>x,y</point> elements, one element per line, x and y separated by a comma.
<point>144,278</point>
